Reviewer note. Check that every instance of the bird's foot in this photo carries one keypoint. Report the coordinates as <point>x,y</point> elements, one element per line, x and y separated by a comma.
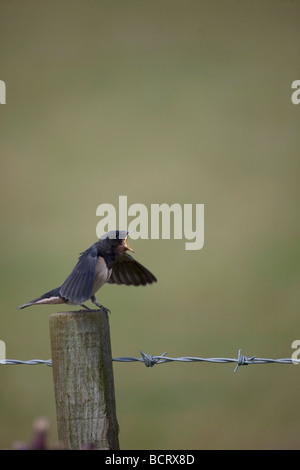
<point>101,307</point>
<point>104,309</point>
<point>87,308</point>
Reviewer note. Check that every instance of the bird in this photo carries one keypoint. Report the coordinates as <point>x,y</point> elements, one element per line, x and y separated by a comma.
<point>106,261</point>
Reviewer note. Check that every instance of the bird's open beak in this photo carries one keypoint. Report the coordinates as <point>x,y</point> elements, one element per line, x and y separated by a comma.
<point>126,244</point>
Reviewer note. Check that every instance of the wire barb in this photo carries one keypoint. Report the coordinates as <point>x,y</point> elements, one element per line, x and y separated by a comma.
<point>242,361</point>
<point>150,360</point>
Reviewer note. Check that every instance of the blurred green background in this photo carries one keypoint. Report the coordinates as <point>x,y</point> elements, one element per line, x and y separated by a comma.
<point>162,101</point>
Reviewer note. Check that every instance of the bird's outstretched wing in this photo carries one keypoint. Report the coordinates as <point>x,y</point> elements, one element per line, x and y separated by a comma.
<point>78,287</point>
<point>126,270</point>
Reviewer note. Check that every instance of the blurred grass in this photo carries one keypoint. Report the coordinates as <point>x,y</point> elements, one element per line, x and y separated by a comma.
<point>165,101</point>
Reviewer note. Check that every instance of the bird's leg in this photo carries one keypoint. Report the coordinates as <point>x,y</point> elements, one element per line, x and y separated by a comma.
<point>94,300</point>
<point>88,308</point>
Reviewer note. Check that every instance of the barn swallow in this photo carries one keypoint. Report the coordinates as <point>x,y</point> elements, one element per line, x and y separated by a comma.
<point>106,260</point>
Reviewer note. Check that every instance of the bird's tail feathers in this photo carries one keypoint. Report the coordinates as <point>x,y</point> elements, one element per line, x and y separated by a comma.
<point>51,297</point>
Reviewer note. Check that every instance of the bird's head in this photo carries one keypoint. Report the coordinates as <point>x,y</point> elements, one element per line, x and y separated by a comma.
<point>117,241</point>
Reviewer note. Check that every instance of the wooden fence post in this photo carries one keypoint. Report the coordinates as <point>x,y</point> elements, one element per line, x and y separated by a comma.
<point>83,380</point>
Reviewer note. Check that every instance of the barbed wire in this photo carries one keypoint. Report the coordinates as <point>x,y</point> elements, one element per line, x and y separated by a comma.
<point>149,360</point>
<point>32,362</point>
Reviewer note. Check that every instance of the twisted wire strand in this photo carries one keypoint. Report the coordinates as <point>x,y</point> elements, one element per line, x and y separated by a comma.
<point>32,362</point>
<point>149,360</point>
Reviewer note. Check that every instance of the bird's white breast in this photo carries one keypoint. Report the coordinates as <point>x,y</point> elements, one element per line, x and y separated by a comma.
<point>102,274</point>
